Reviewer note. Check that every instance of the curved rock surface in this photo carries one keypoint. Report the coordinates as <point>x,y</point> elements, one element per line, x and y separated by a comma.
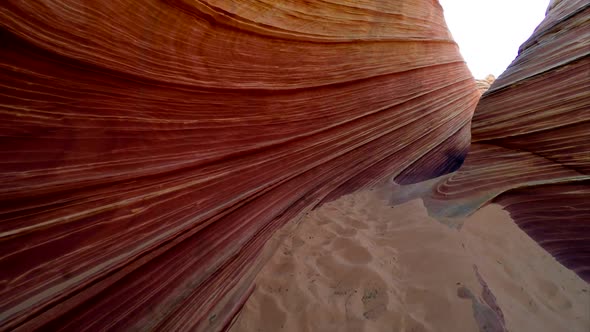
<point>150,148</point>
<point>531,140</point>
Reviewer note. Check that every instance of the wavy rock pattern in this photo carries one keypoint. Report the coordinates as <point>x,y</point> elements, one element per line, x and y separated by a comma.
<point>531,140</point>
<point>150,148</point>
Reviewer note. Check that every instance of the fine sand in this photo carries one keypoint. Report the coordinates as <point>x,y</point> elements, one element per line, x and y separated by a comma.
<point>358,264</point>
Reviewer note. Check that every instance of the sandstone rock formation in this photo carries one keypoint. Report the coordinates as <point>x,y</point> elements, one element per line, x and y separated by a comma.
<point>483,85</point>
<point>531,141</point>
<point>150,148</point>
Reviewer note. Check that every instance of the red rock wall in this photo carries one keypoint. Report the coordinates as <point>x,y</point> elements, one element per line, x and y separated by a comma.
<point>150,148</point>
<point>531,140</point>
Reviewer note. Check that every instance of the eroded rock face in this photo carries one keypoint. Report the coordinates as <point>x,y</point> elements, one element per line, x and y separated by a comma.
<point>531,140</point>
<point>484,85</point>
<point>150,148</point>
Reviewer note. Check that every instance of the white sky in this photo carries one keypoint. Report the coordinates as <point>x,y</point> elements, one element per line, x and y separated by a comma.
<point>489,32</point>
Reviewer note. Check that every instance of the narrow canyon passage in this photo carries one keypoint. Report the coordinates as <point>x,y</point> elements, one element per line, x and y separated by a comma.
<point>152,151</point>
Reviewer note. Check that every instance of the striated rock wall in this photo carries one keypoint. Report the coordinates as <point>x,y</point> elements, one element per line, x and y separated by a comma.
<point>531,141</point>
<point>150,148</point>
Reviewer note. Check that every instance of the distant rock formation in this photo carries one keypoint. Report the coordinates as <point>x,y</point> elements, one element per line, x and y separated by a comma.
<point>531,141</point>
<point>150,148</point>
<point>483,85</point>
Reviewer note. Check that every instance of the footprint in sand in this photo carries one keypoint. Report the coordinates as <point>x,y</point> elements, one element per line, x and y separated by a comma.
<point>373,307</point>
<point>343,231</point>
<point>357,224</point>
<point>374,299</point>
<point>284,267</point>
<point>296,242</point>
<point>351,251</point>
<point>267,305</point>
<point>320,218</point>
<point>556,299</point>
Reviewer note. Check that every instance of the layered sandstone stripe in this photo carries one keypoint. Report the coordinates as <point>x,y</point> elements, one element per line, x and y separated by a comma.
<point>531,140</point>
<point>151,148</point>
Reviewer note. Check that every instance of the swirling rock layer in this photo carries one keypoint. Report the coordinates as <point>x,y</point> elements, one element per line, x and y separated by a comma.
<point>531,140</point>
<point>150,148</point>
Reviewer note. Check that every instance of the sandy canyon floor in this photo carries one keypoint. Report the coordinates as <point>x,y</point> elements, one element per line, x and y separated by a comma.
<point>359,264</point>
